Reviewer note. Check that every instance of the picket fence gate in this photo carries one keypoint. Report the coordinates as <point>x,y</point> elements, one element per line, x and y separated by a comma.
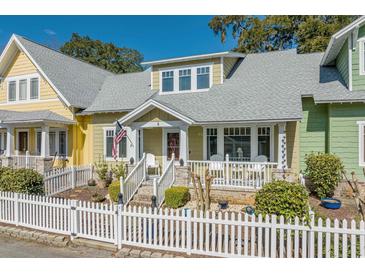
<point>193,232</point>
<point>62,179</point>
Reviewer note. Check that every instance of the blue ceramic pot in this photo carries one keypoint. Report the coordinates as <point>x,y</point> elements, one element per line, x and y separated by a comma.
<point>331,203</point>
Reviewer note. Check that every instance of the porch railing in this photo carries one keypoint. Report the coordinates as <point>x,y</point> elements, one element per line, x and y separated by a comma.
<point>135,178</point>
<point>247,175</point>
<point>25,161</point>
<point>166,180</point>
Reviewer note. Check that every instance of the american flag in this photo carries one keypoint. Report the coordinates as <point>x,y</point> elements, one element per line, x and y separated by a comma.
<point>120,132</point>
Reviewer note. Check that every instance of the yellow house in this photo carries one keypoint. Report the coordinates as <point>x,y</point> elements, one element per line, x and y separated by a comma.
<point>218,106</point>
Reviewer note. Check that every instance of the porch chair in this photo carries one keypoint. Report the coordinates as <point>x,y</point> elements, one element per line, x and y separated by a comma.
<point>151,162</point>
<point>255,172</point>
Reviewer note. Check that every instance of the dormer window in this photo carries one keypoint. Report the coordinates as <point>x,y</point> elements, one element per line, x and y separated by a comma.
<point>167,81</point>
<point>186,79</point>
<point>202,81</point>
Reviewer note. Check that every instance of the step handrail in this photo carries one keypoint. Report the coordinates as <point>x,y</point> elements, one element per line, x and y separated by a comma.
<point>130,185</point>
<point>166,180</point>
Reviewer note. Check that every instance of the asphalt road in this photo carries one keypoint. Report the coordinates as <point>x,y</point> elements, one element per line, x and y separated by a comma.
<point>13,248</point>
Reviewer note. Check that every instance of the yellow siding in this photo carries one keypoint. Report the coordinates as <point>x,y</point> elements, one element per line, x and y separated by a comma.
<point>195,143</point>
<point>292,141</point>
<point>156,115</point>
<point>95,133</point>
<point>216,70</point>
<point>228,64</point>
<point>152,142</point>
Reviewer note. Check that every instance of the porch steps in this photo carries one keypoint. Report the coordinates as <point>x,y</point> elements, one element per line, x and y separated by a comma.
<point>143,197</point>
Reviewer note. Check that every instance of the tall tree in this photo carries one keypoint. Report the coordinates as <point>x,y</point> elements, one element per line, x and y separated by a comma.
<point>276,32</point>
<point>104,55</point>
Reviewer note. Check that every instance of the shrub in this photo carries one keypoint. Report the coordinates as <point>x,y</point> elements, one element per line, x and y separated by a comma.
<point>114,189</point>
<point>119,170</point>
<point>101,168</point>
<point>177,196</point>
<point>325,171</point>
<point>283,198</point>
<point>21,180</point>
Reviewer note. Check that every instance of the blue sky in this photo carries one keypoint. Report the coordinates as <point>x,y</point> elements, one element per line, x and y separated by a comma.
<point>154,36</point>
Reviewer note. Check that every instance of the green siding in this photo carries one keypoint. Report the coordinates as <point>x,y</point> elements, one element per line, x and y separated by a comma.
<point>358,81</point>
<point>313,129</point>
<point>342,62</point>
<point>344,134</point>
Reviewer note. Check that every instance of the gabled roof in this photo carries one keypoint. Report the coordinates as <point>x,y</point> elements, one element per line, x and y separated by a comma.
<point>13,117</point>
<point>338,39</point>
<point>76,82</point>
<point>228,54</point>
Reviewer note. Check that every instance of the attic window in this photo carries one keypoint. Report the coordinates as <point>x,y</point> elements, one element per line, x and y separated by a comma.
<point>23,88</point>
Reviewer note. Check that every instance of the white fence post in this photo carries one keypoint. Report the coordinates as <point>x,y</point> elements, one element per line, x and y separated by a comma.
<point>16,209</point>
<point>120,226</point>
<point>73,219</point>
<point>73,177</point>
<point>273,236</point>
<point>227,169</point>
<point>188,232</point>
<point>122,187</point>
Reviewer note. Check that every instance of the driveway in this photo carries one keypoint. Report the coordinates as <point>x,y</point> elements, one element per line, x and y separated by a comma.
<point>13,248</point>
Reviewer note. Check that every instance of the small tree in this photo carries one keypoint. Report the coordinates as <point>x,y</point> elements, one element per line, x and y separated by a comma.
<point>283,198</point>
<point>202,197</point>
<point>119,170</point>
<point>325,172</point>
<point>101,168</point>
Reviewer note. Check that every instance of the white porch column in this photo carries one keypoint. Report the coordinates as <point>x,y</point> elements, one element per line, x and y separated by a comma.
<point>45,141</point>
<point>282,160</point>
<point>132,144</point>
<point>9,141</point>
<point>254,143</point>
<point>184,144</point>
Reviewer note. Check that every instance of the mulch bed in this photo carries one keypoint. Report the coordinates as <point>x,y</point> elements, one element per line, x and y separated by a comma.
<point>347,211</point>
<point>83,193</point>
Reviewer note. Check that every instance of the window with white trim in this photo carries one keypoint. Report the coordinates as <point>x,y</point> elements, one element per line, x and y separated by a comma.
<point>186,79</point>
<point>57,142</point>
<point>167,81</point>
<point>237,143</point>
<point>3,141</point>
<point>23,88</point>
<point>212,142</point>
<point>202,78</point>
<point>362,57</point>
<point>263,141</point>
<point>108,145</point>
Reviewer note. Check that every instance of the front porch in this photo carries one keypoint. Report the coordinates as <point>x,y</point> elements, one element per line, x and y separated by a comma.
<point>34,143</point>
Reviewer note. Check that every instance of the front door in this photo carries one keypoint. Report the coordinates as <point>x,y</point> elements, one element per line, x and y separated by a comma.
<point>171,144</point>
<point>23,142</point>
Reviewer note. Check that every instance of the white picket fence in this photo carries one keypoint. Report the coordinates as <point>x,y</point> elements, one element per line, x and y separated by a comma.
<point>243,175</point>
<point>135,178</point>
<point>166,180</point>
<point>209,233</point>
<point>62,179</point>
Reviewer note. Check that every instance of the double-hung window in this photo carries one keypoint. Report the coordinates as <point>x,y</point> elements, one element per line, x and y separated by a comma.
<point>167,81</point>
<point>12,91</point>
<point>185,79</point>
<point>108,145</point>
<point>34,90</point>
<point>212,142</point>
<point>263,141</point>
<point>202,78</point>
<point>23,89</point>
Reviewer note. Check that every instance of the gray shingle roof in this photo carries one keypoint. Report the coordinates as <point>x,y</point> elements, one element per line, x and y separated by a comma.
<point>78,81</point>
<point>265,86</point>
<point>8,117</point>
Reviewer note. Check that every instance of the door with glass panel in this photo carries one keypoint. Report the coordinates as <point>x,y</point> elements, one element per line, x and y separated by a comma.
<point>172,144</point>
<point>22,142</point>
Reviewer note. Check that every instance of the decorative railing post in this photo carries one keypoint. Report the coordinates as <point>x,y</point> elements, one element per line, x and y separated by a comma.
<point>155,194</point>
